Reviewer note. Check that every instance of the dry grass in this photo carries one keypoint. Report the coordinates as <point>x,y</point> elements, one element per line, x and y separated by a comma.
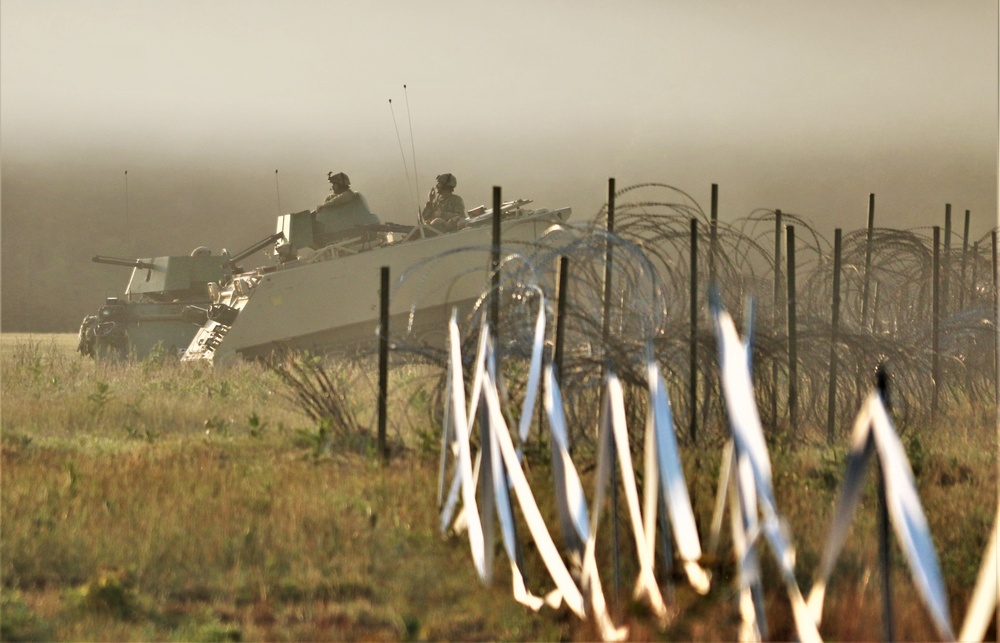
<point>167,501</point>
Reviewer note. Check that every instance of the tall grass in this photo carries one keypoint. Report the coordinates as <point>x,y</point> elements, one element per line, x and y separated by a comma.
<point>192,504</point>
<point>169,501</point>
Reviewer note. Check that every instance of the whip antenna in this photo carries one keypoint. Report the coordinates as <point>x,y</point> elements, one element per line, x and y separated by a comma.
<point>413,149</point>
<point>126,198</point>
<point>128,225</point>
<point>277,191</point>
<point>402,155</point>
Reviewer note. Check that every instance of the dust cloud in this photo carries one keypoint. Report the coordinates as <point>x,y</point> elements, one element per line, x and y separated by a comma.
<point>804,107</point>
<point>59,208</point>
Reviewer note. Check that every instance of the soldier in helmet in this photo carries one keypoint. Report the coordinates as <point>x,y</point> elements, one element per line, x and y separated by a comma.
<point>444,209</point>
<point>340,185</point>
<point>345,208</point>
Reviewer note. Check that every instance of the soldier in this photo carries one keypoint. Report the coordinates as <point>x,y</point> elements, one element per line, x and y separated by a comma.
<point>342,192</point>
<point>444,209</point>
<point>344,208</point>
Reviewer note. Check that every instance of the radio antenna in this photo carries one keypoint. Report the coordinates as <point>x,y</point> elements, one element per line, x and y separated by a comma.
<point>277,191</point>
<point>413,148</point>
<point>402,155</point>
<point>128,224</point>
<point>126,197</point>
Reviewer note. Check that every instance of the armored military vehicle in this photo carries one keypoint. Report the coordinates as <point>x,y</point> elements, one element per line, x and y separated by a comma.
<point>150,316</point>
<point>322,292</point>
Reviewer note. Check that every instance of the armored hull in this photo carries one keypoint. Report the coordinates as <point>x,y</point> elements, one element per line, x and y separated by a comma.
<point>149,316</point>
<point>329,301</point>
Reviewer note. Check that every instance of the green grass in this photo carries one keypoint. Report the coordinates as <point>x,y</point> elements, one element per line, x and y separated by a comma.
<point>168,501</point>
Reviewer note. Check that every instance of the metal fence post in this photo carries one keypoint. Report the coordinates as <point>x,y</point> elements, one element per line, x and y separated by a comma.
<point>962,287</point>
<point>793,346</point>
<point>693,368</point>
<point>868,260</point>
<point>605,333</point>
<point>557,357</point>
<point>383,363</point>
<point>713,238</point>
<point>946,263</point>
<point>608,260</point>
<point>885,562</point>
<point>776,311</point>
<point>495,268</point>
<point>831,411</point>
<point>996,312</point>
<point>936,319</point>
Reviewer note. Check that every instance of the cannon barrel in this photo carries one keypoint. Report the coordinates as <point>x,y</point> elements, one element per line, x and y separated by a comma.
<point>115,261</point>
<point>254,248</point>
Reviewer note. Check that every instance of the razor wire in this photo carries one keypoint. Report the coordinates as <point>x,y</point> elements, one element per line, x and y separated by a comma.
<point>651,301</point>
<point>745,477</point>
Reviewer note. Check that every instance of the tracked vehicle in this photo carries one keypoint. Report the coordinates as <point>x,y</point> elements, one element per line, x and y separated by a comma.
<point>153,314</point>
<point>321,293</point>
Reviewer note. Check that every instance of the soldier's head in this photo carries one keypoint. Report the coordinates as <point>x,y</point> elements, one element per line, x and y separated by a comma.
<point>446,182</point>
<point>338,182</point>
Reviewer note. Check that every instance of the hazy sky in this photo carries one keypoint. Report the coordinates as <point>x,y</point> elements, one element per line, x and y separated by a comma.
<point>804,106</point>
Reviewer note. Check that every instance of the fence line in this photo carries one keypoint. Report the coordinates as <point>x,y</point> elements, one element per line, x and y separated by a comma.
<point>886,310</point>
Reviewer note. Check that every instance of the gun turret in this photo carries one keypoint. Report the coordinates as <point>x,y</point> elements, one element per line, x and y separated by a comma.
<point>152,312</point>
<point>131,263</point>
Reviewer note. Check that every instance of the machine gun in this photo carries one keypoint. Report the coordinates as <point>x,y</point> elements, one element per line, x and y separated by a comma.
<point>260,245</point>
<point>131,263</point>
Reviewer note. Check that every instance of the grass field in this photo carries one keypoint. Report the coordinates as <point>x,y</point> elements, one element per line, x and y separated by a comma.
<point>168,501</point>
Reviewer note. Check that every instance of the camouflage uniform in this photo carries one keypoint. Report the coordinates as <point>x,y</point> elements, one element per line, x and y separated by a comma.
<point>449,207</point>
<point>345,210</point>
<point>342,199</point>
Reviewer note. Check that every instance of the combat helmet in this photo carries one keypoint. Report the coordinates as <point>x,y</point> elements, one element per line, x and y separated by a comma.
<point>447,180</point>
